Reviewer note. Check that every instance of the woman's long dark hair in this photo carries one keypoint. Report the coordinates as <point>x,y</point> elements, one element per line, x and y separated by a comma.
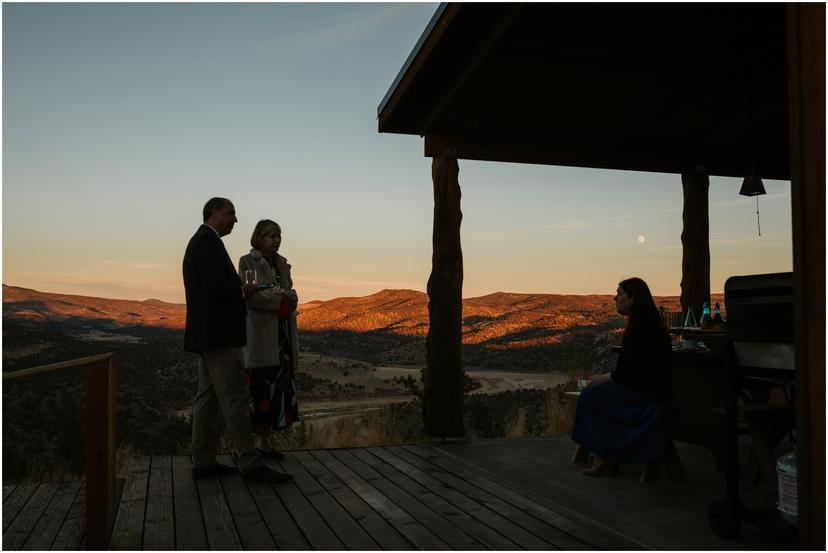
<point>645,320</point>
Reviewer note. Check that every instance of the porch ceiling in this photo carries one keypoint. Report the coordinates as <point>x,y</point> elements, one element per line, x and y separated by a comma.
<point>658,87</point>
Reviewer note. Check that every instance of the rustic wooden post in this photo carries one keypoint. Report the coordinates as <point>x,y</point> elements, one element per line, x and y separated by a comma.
<point>100,428</point>
<point>443,379</point>
<point>695,242</point>
<point>806,116</point>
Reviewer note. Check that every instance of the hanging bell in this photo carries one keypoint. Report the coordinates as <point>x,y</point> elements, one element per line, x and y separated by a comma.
<point>752,186</point>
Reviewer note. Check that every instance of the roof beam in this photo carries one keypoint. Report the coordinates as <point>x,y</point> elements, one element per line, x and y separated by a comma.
<point>480,54</point>
<point>416,60</point>
<point>654,155</point>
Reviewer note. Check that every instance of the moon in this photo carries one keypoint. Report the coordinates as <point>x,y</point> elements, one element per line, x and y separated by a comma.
<point>641,238</point>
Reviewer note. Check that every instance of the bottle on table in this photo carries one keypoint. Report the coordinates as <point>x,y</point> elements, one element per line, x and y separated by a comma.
<point>690,319</point>
<point>718,321</point>
<point>706,320</point>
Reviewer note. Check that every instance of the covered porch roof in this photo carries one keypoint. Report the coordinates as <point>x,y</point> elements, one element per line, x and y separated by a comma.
<point>675,88</point>
<point>695,89</point>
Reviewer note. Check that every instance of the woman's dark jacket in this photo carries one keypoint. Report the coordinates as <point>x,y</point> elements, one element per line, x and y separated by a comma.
<point>644,364</point>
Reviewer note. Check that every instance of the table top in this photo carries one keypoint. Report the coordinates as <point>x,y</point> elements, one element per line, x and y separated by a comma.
<point>701,350</point>
<point>697,331</point>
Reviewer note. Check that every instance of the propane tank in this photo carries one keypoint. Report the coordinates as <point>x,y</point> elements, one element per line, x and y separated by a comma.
<point>786,503</point>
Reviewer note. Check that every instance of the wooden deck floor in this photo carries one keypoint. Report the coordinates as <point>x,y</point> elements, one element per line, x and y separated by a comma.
<point>398,498</point>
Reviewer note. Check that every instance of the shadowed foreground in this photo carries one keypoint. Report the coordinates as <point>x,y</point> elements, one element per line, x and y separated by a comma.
<point>398,498</point>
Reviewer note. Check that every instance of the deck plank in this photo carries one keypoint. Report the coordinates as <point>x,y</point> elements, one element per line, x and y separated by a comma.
<point>582,529</point>
<point>313,526</point>
<point>420,536</point>
<point>21,528</point>
<point>190,534</point>
<point>159,524</point>
<point>488,492</point>
<point>15,501</point>
<point>479,491</point>
<point>485,535</point>
<point>8,490</point>
<point>47,528</point>
<point>385,535</point>
<point>218,520</point>
<point>350,533</point>
<point>286,533</point>
<point>254,534</point>
<point>128,533</point>
<point>445,529</point>
<point>491,518</point>
<point>71,533</point>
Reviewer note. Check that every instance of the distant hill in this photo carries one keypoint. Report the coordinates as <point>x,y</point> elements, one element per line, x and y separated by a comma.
<point>25,304</point>
<point>522,319</point>
<point>503,331</point>
<point>500,319</point>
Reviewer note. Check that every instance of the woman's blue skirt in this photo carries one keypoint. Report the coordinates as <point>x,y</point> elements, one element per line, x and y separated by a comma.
<point>623,425</point>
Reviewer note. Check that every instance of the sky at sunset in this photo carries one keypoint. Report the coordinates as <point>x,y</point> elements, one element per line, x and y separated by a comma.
<point>121,120</point>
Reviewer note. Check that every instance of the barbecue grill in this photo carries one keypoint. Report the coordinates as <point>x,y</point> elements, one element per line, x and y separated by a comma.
<point>759,357</point>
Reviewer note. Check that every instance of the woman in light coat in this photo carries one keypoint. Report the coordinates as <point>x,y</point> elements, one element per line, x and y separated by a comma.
<point>271,355</point>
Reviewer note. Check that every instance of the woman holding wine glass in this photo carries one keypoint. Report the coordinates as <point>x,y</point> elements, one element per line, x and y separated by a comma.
<point>271,355</point>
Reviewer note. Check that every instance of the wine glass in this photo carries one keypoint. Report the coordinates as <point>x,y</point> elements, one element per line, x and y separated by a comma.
<point>250,276</point>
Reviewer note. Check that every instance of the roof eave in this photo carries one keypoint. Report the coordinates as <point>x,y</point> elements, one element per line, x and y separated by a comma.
<point>416,59</point>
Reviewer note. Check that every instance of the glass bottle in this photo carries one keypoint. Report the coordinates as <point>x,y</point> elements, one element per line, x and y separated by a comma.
<point>690,319</point>
<point>706,319</point>
<point>718,321</point>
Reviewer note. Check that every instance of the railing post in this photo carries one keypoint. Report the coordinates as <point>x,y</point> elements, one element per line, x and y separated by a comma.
<point>100,476</point>
<point>100,438</point>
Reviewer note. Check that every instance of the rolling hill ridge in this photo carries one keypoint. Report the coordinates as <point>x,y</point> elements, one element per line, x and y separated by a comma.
<point>526,319</point>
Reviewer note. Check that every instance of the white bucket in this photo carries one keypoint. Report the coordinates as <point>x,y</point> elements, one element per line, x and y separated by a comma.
<point>787,503</point>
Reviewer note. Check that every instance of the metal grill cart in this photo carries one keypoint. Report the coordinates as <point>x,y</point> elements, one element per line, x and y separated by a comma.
<point>758,351</point>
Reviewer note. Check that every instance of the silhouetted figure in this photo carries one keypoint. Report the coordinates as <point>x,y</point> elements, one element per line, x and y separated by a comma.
<point>215,330</point>
<point>626,416</point>
<point>271,355</point>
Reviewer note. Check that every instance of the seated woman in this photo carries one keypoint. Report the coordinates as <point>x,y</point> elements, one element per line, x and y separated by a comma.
<point>626,416</point>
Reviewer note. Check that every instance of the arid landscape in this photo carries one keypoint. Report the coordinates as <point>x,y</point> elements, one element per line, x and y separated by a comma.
<point>503,331</point>
<point>359,358</point>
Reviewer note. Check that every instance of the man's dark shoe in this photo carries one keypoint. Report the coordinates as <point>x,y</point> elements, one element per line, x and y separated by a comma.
<point>271,454</point>
<point>266,474</point>
<point>212,471</point>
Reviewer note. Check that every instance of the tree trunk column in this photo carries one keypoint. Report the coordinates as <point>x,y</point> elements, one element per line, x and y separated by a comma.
<point>443,380</point>
<point>695,241</point>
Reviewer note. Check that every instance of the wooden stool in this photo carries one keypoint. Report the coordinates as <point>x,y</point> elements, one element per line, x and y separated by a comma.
<point>672,462</point>
<point>580,454</point>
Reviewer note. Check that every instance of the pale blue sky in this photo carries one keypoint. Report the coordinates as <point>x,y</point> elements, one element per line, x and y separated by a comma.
<point>120,120</point>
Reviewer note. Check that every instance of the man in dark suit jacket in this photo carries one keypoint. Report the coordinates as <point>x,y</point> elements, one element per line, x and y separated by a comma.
<point>216,331</point>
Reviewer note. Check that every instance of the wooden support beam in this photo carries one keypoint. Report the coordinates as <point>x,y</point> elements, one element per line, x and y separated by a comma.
<point>695,242</point>
<point>443,379</point>
<point>613,152</point>
<point>806,101</point>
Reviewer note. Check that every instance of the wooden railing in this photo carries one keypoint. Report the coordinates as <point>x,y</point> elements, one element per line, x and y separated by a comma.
<point>100,438</point>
